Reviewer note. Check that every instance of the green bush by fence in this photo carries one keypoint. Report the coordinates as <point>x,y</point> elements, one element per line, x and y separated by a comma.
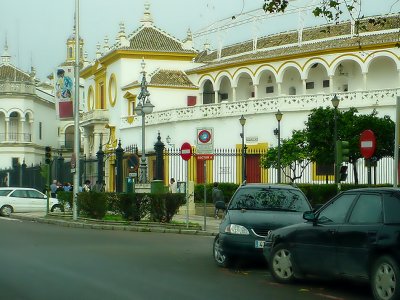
<point>132,206</point>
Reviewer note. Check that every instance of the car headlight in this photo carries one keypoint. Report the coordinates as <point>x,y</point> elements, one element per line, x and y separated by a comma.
<point>237,229</point>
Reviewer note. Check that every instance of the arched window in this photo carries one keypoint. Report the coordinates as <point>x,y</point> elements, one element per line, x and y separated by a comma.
<point>292,90</point>
<point>69,137</point>
<point>208,93</point>
<point>14,127</point>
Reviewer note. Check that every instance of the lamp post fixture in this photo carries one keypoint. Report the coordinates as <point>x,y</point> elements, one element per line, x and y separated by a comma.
<point>143,108</point>
<point>242,121</point>
<point>335,102</point>
<point>278,116</point>
<point>168,140</point>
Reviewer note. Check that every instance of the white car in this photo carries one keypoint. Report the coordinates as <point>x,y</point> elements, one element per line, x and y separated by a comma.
<point>18,199</point>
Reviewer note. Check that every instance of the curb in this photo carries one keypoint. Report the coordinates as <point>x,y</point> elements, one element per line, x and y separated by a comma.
<point>87,225</point>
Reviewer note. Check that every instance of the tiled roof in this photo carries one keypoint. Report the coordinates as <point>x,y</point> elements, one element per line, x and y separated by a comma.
<point>171,78</point>
<point>150,38</point>
<point>11,73</point>
<point>240,52</point>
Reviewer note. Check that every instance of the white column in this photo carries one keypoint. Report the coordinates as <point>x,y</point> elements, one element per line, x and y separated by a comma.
<point>364,81</point>
<point>331,84</point>
<point>86,149</point>
<point>304,86</point>
<point>216,98</point>
<point>255,91</point>
<point>96,142</point>
<point>7,133</point>
<point>200,101</point>
<point>279,88</point>
<point>21,131</point>
<point>234,93</point>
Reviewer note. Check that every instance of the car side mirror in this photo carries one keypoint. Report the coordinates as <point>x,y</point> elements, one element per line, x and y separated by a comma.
<point>309,216</point>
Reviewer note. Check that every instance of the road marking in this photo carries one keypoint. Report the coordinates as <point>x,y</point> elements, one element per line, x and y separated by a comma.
<point>9,219</point>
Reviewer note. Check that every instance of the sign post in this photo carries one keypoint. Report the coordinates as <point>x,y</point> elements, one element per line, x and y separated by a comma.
<point>186,154</point>
<point>367,148</point>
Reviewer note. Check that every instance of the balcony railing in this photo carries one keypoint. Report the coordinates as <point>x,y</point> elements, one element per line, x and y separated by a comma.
<point>15,137</point>
<point>359,99</point>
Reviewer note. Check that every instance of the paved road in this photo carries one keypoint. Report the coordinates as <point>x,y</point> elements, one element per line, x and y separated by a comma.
<point>41,261</point>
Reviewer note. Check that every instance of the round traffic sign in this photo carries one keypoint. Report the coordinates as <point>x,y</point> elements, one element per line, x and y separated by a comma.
<point>186,151</point>
<point>204,136</point>
<point>367,143</point>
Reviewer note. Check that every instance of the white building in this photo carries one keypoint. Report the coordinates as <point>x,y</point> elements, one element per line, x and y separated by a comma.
<point>27,116</point>
<point>292,71</point>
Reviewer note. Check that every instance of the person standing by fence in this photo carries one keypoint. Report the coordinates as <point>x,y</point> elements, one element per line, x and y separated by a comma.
<point>218,199</point>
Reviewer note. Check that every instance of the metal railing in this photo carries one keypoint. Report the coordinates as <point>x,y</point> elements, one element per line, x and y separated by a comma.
<point>15,137</point>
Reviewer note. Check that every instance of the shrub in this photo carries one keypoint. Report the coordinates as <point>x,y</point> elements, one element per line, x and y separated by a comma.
<point>129,206</point>
<point>93,204</point>
<point>65,198</point>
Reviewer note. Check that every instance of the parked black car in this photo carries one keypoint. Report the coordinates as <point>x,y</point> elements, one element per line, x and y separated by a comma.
<point>253,211</point>
<point>356,235</point>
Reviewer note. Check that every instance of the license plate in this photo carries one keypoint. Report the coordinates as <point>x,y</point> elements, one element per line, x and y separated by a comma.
<point>260,244</point>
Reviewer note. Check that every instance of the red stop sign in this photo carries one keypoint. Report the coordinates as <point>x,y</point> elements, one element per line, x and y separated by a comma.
<point>367,143</point>
<point>186,151</point>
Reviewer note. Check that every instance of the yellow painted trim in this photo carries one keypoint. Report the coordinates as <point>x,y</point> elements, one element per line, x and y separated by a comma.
<point>206,75</point>
<point>316,177</point>
<point>289,62</point>
<point>266,65</point>
<point>148,55</point>
<point>291,57</point>
<point>243,68</point>
<point>223,71</point>
<point>173,87</point>
<point>111,81</point>
<point>166,167</point>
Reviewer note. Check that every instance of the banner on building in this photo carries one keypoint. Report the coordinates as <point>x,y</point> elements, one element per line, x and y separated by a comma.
<point>63,90</point>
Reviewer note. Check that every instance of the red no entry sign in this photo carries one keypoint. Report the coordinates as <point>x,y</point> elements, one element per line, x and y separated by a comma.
<point>186,151</point>
<point>367,143</point>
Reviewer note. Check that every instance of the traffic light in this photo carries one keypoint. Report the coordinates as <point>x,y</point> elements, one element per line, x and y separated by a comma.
<point>342,152</point>
<point>47,155</point>
<point>343,173</point>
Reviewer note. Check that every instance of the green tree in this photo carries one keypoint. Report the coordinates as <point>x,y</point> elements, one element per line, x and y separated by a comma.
<point>294,156</point>
<point>350,124</point>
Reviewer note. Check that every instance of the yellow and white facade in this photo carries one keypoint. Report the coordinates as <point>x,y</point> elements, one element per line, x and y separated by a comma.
<point>294,72</point>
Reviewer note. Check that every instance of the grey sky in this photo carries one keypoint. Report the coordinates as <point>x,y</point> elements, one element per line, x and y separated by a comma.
<point>37,30</point>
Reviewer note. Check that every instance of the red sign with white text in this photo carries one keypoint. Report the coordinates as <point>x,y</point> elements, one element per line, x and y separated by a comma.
<point>367,143</point>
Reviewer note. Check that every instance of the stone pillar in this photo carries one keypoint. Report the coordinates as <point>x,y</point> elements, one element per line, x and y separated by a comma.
<point>364,81</point>
<point>159,147</point>
<point>234,93</point>
<point>255,91</point>
<point>331,84</point>
<point>279,88</point>
<point>96,141</point>
<point>86,149</point>
<point>216,96</point>
<point>21,137</point>
<point>119,153</point>
<point>7,133</point>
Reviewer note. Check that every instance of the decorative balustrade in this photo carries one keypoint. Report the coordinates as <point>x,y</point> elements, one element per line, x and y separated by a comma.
<point>17,87</point>
<point>359,99</point>
<point>15,137</point>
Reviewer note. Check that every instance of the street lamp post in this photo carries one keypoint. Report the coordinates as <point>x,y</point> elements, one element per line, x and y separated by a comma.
<point>242,121</point>
<point>278,116</point>
<point>335,102</point>
<point>144,108</point>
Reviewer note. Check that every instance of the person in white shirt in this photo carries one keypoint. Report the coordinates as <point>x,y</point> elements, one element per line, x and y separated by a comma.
<point>173,188</point>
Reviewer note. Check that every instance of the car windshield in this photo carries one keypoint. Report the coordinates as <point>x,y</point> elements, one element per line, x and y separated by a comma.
<point>266,198</point>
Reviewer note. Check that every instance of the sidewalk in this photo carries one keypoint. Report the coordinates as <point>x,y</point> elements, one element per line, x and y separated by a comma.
<point>61,219</point>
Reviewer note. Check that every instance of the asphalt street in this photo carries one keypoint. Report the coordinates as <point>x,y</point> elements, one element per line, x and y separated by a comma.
<point>42,261</point>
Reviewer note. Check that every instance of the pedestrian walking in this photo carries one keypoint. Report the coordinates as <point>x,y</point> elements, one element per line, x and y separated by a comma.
<point>218,199</point>
<point>53,189</point>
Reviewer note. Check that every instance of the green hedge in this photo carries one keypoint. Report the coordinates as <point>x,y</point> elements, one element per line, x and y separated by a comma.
<point>65,198</point>
<point>132,206</point>
<point>317,194</point>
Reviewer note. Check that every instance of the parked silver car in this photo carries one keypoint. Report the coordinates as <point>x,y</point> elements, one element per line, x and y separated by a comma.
<point>17,199</point>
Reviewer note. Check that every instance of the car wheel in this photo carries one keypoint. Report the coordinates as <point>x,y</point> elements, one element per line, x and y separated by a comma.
<point>220,257</point>
<point>6,210</point>
<point>385,279</point>
<point>57,208</point>
<point>281,264</point>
